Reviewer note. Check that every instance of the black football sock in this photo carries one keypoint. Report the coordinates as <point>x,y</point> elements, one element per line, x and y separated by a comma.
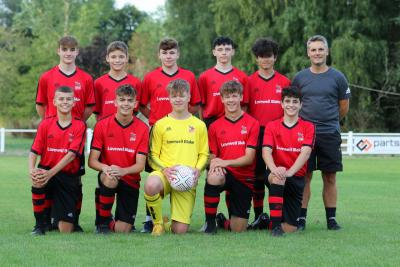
<point>211,201</point>
<point>275,200</point>
<point>258,197</point>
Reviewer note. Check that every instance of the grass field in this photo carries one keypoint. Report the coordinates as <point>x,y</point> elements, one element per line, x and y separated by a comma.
<point>369,211</point>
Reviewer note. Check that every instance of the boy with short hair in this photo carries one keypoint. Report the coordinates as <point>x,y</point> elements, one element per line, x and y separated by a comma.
<point>287,145</point>
<point>118,151</point>
<point>265,87</point>
<point>232,139</point>
<point>177,139</point>
<point>106,85</point>
<point>59,143</point>
<point>211,80</point>
<point>154,84</point>
<point>66,73</point>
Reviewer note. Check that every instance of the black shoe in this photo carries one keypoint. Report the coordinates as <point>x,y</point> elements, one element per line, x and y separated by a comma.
<point>261,223</point>
<point>147,227</point>
<point>333,225</point>
<point>301,224</point>
<point>221,219</point>
<point>277,231</point>
<point>211,228</point>
<point>38,230</point>
<point>133,229</point>
<point>103,229</point>
<point>77,229</point>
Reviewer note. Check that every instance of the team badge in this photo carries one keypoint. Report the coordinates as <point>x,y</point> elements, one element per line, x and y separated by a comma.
<point>50,136</point>
<point>78,85</point>
<point>191,129</point>
<point>223,132</point>
<point>278,88</point>
<point>132,137</point>
<point>70,137</point>
<point>300,137</point>
<point>244,130</point>
<point>213,82</point>
<point>168,129</point>
<point>235,79</point>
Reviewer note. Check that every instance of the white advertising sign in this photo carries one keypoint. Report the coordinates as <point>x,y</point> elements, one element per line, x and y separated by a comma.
<point>376,144</point>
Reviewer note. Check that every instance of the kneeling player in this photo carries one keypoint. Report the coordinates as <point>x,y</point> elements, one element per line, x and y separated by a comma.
<point>287,146</point>
<point>59,143</point>
<point>178,138</point>
<point>118,151</point>
<point>233,140</point>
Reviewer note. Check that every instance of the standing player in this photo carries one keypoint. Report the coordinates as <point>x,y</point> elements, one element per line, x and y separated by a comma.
<point>118,151</point>
<point>286,148</point>
<point>154,101</point>
<point>155,83</point>
<point>66,73</point>
<point>265,88</point>
<point>211,80</point>
<point>233,141</point>
<point>326,95</point>
<point>178,139</point>
<point>106,85</point>
<point>59,143</point>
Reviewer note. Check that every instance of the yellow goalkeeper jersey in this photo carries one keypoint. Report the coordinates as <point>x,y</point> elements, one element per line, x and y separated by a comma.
<point>176,142</point>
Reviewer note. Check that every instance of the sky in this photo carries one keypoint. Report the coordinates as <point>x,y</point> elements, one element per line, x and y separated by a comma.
<point>143,5</point>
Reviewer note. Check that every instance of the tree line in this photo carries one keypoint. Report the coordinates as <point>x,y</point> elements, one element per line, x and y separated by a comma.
<point>363,37</point>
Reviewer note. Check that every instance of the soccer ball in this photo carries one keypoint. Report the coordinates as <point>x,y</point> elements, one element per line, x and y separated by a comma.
<point>183,180</point>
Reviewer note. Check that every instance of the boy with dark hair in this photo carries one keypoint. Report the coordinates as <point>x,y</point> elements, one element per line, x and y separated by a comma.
<point>265,88</point>
<point>287,145</point>
<point>177,139</point>
<point>59,143</point>
<point>211,80</point>
<point>66,73</point>
<point>105,86</point>
<point>118,151</point>
<point>154,85</point>
<point>232,139</point>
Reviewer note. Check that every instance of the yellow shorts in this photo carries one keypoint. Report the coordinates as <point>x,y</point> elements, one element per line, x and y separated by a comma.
<point>182,203</point>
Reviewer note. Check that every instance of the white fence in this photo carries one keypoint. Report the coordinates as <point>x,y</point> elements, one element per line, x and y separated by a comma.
<point>352,143</point>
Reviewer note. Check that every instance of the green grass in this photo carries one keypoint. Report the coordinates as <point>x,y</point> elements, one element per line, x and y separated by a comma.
<point>368,210</point>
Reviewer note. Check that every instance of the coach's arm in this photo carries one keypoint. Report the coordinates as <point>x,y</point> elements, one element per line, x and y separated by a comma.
<point>344,106</point>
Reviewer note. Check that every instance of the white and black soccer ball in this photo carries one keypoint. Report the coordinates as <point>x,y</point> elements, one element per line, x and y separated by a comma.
<point>184,179</point>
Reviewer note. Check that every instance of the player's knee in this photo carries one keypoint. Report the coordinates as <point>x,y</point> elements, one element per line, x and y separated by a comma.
<point>214,179</point>
<point>329,178</point>
<point>238,225</point>
<point>110,183</point>
<point>152,186</point>
<point>65,227</point>
<point>179,228</point>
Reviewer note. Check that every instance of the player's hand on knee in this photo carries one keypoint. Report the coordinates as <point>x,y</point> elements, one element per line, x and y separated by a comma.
<point>170,173</point>
<point>117,172</point>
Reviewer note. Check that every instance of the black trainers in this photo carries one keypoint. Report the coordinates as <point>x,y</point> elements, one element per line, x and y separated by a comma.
<point>301,224</point>
<point>38,230</point>
<point>277,231</point>
<point>77,229</point>
<point>133,229</point>
<point>333,225</point>
<point>147,227</point>
<point>261,223</point>
<point>211,228</point>
<point>103,229</point>
<point>221,219</point>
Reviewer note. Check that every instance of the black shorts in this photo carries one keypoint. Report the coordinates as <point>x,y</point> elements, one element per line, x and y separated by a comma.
<point>292,197</point>
<point>260,163</point>
<point>127,203</point>
<point>240,196</point>
<point>65,189</point>
<point>327,154</point>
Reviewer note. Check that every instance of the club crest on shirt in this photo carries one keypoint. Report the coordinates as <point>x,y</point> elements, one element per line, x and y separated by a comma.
<point>132,137</point>
<point>191,129</point>
<point>223,132</point>
<point>50,136</point>
<point>159,85</point>
<point>235,79</point>
<point>244,130</point>
<point>78,85</point>
<point>278,89</point>
<point>213,82</point>
<point>70,137</point>
<point>168,129</point>
<point>300,137</point>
